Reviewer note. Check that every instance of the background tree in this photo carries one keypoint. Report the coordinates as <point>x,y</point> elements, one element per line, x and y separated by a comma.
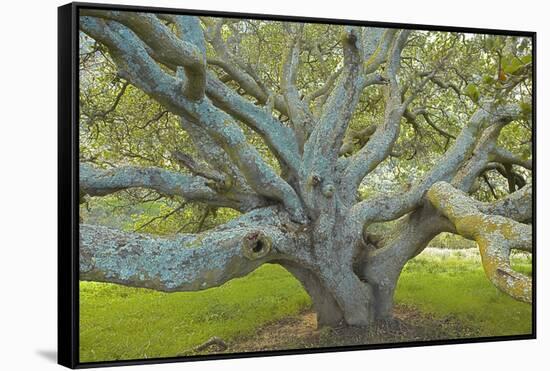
<point>306,138</point>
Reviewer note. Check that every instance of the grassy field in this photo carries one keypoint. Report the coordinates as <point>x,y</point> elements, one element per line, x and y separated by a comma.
<point>118,322</point>
<point>127,323</point>
<point>452,282</point>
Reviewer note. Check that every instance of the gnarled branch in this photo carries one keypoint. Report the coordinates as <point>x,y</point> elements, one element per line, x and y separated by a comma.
<point>108,255</point>
<point>517,205</point>
<point>323,146</point>
<point>279,138</point>
<point>504,156</point>
<point>167,47</point>
<point>184,262</point>
<point>377,47</point>
<point>298,111</point>
<point>495,235</point>
<point>381,143</point>
<point>96,182</point>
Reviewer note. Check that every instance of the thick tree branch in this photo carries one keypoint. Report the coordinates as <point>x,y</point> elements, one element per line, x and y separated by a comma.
<point>188,29</point>
<point>167,46</point>
<point>185,262</point>
<point>323,146</point>
<point>381,143</point>
<point>279,138</point>
<point>356,136</point>
<point>504,156</point>
<point>343,98</point>
<point>495,235</point>
<point>298,110</point>
<point>467,175</point>
<point>96,182</point>
<point>377,46</point>
<point>517,205</point>
<point>237,69</point>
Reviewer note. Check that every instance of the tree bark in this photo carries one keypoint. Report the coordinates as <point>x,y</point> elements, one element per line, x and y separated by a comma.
<point>327,310</point>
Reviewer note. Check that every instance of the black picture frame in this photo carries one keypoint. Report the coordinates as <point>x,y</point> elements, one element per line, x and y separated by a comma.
<point>68,191</point>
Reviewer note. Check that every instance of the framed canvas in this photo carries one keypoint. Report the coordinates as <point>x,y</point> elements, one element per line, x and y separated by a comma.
<point>238,185</point>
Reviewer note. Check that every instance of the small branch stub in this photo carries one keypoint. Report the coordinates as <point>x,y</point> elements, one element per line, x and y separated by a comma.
<point>314,180</point>
<point>256,245</point>
<point>214,343</point>
<point>328,190</point>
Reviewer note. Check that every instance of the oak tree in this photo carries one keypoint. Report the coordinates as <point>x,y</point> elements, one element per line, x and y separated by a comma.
<point>314,134</point>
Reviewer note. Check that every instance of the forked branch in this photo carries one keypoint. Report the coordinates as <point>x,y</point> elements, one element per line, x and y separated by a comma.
<point>170,49</point>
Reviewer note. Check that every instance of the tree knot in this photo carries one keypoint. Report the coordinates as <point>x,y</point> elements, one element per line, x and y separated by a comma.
<point>328,190</point>
<point>314,180</point>
<point>256,245</point>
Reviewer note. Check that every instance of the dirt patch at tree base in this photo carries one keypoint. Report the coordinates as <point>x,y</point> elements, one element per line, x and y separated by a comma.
<point>299,332</point>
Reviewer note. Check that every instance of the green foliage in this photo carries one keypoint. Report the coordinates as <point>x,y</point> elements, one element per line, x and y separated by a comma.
<point>526,109</point>
<point>171,219</point>
<point>452,241</point>
<point>512,63</point>
<point>472,92</point>
<point>487,79</point>
<point>162,216</point>
<point>510,138</point>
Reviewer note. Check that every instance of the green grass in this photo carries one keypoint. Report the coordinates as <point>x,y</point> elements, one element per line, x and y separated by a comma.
<point>126,323</point>
<point>118,322</point>
<point>457,286</point>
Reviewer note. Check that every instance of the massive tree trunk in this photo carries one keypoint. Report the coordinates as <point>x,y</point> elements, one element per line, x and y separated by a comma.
<point>324,303</point>
<point>307,217</point>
